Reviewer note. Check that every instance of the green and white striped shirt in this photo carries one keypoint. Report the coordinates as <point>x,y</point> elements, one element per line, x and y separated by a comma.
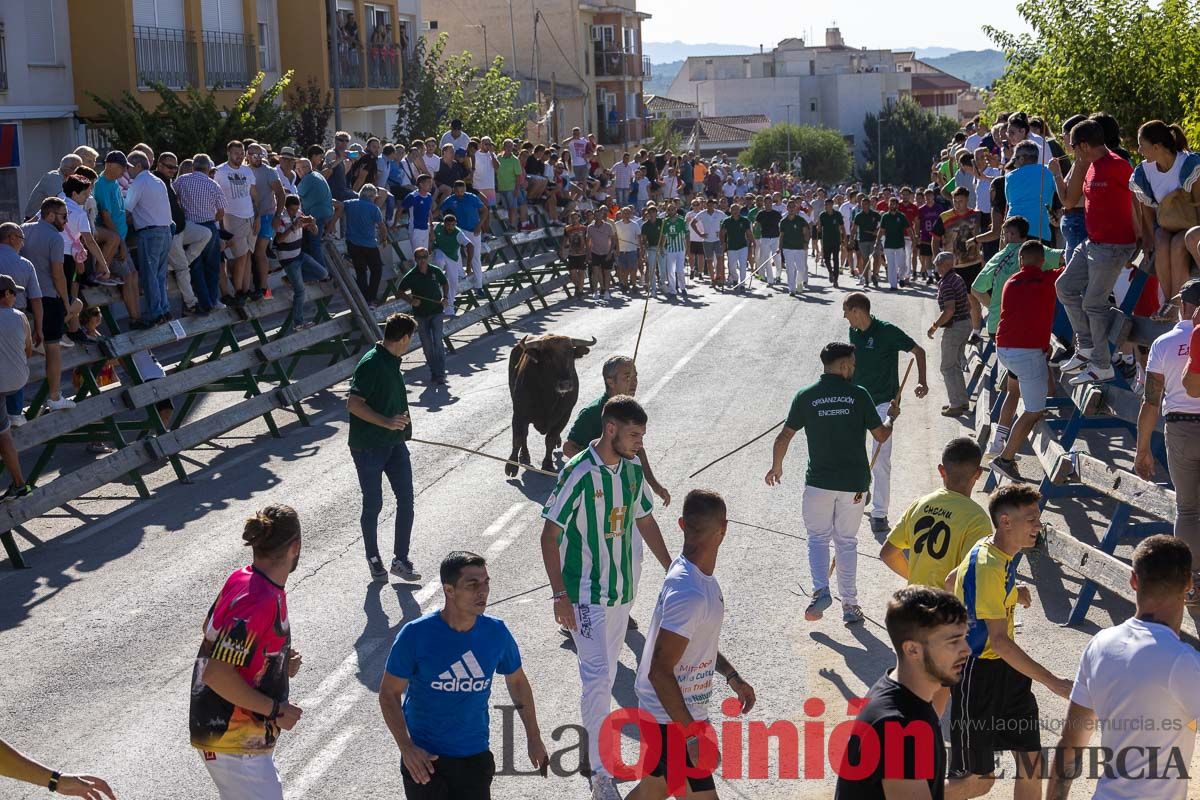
<point>676,234</point>
<point>595,507</point>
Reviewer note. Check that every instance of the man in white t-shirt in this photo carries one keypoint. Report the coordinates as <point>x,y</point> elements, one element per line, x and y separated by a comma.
<point>708,225</point>
<point>1165,368</point>
<point>623,172</point>
<point>629,247</point>
<point>456,136</point>
<point>680,659</point>
<point>486,164</point>
<point>1137,683</point>
<point>695,240</point>
<point>580,148</point>
<point>237,183</point>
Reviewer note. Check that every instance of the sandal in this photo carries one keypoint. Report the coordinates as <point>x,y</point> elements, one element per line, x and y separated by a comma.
<point>1167,313</point>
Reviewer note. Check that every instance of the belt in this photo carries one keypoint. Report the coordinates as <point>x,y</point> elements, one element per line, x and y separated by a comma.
<point>1179,417</point>
<point>150,228</point>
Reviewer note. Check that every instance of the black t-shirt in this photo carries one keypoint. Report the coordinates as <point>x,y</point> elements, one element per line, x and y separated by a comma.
<point>651,169</point>
<point>535,166</point>
<point>893,711</point>
<point>768,222</point>
<point>999,199</point>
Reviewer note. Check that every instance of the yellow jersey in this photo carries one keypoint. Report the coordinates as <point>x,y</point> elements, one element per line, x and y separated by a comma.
<point>937,531</point>
<point>986,584</point>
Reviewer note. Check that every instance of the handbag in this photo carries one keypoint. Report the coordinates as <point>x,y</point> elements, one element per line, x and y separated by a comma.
<point>1177,212</point>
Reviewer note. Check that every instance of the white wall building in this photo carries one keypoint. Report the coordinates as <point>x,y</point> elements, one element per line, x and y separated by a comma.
<point>37,97</point>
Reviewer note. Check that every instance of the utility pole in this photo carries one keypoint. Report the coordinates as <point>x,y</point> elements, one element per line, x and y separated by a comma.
<point>788,106</point>
<point>334,68</point>
<point>512,28</point>
<point>486,61</point>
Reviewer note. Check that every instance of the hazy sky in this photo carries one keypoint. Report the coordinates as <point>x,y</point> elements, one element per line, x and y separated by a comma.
<point>864,23</point>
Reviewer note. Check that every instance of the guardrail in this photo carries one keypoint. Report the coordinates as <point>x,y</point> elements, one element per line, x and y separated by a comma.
<point>252,351</point>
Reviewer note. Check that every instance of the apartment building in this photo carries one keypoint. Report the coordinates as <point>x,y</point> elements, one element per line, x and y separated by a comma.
<point>585,56</point>
<point>37,101</point>
<point>128,45</point>
<point>832,85</point>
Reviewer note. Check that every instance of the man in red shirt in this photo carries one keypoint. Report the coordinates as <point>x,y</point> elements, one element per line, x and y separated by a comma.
<point>1101,178</point>
<point>911,210</point>
<point>1022,339</point>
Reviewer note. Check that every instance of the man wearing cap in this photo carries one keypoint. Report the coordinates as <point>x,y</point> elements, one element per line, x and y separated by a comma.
<point>16,346</point>
<point>286,170</point>
<point>472,215</point>
<point>149,208</point>
<point>1165,369</point>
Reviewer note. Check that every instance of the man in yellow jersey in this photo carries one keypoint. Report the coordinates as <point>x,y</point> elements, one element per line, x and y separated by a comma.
<point>940,528</point>
<point>993,707</point>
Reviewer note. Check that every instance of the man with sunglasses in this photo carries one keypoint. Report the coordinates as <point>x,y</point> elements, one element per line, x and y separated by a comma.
<point>187,243</point>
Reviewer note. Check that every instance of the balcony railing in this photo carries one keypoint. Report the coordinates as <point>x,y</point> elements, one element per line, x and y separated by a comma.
<point>3,61</point>
<point>164,55</point>
<point>383,66</point>
<point>350,64</point>
<point>230,60</point>
<point>618,64</point>
<point>621,132</point>
<point>647,73</point>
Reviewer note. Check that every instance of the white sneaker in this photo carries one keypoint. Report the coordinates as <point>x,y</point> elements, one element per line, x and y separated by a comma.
<point>16,420</point>
<point>1093,374</point>
<point>994,449</point>
<point>1075,363</point>
<point>64,343</point>
<point>218,306</point>
<point>61,404</point>
<point>604,788</point>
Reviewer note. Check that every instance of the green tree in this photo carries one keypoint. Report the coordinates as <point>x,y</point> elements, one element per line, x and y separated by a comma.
<point>912,137</point>
<point>312,107</point>
<point>1136,59</point>
<point>190,122</point>
<point>664,136</point>
<point>826,156</point>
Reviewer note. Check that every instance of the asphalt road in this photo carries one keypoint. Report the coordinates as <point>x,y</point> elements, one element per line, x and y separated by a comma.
<point>97,640</point>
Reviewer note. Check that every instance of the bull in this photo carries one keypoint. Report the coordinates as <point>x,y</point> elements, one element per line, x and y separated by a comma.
<point>544,386</point>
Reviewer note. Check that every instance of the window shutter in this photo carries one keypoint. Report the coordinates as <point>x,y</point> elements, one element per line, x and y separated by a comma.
<point>39,28</point>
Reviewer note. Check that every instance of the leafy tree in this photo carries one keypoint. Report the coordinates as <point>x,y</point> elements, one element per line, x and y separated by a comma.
<point>1136,59</point>
<point>312,107</point>
<point>912,137</point>
<point>190,122</point>
<point>664,136</point>
<point>826,156</point>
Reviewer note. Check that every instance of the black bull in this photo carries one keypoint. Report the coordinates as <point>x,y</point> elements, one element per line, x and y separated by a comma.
<point>544,387</point>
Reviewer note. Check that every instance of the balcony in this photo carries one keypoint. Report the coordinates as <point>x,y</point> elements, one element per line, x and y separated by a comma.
<point>164,55</point>
<point>383,66</point>
<point>614,63</point>
<point>3,61</point>
<point>230,61</point>
<point>621,132</point>
<point>647,73</point>
<point>350,73</point>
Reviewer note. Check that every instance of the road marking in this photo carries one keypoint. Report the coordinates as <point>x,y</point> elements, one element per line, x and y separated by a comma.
<point>320,764</point>
<point>504,518</point>
<point>690,354</point>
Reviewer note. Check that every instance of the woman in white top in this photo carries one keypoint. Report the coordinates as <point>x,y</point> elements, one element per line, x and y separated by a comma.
<point>1168,166</point>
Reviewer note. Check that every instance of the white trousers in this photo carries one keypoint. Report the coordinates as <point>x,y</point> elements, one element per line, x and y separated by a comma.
<point>599,634</point>
<point>453,270</point>
<point>796,262</point>
<point>476,276</point>
<point>244,777</point>
<point>897,265</point>
<point>832,516</point>
<point>186,247</point>
<point>768,250</point>
<point>881,475</point>
<point>418,237</point>
<point>736,261</point>
<point>676,275</point>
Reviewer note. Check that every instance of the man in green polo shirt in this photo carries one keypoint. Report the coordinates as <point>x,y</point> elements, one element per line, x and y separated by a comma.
<point>834,412</point>
<point>794,235</point>
<point>877,349</point>
<point>450,248</point>
<point>832,226</point>
<point>863,232</point>
<point>893,229</point>
<point>424,287</point>
<point>379,428</point>
<point>620,378</point>
<point>737,239</point>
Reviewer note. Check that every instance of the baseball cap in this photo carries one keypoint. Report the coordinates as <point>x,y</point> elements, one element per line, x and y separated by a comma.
<point>7,284</point>
<point>116,157</point>
<point>1189,293</point>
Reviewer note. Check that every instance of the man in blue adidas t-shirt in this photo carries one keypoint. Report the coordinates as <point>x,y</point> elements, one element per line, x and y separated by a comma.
<point>419,204</point>
<point>437,684</point>
<point>472,215</point>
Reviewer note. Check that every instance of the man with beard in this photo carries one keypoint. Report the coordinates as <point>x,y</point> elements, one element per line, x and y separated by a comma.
<point>928,629</point>
<point>240,681</point>
<point>593,562</point>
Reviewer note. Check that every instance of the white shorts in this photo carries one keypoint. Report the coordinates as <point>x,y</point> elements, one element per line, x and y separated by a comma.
<point>244,777</point>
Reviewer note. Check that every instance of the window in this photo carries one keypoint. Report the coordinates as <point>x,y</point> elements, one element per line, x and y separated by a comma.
<point>265,62</point>
<point>41,34</point>
<point>158,13</point>
<point>222,16</point>
<point>603,36</point>
<point>630,40</point>
<point>378,25</point>
<point>405,37</point>
<point>431,25</point>
<point>812,104</point>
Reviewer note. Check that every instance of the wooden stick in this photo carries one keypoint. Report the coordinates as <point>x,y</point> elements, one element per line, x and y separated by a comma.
<point>742,447</point>
<point>878,445</point>
<point>486,455</point>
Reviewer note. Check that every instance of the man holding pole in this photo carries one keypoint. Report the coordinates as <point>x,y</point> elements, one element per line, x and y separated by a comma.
<point>835,413</point>
<point>877,348</point>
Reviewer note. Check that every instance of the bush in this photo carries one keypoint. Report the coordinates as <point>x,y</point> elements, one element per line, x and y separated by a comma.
<point>826,156</point>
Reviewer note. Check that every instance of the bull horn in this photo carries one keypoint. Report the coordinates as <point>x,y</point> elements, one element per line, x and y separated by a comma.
<point>584,342</point>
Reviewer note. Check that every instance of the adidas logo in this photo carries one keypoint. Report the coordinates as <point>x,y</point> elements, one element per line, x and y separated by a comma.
<point>464,675</point>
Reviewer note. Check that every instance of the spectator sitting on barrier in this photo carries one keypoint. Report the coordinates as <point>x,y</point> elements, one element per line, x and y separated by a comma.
<point>1022,338</point>
<point>365,231</point>
<point>297,265</point>
<point>1166,369</point>
<point>16,346</point>
<point>50,184</point>
<point>316,199</point>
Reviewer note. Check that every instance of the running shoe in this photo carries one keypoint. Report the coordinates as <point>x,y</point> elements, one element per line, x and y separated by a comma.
<point>15,492</point>
<point>821,600</point>
<point>852,615</point>
<point>378,572</point>
<point>403,569</point>
<point>1075,363</point>
<point>61,404</point>
<point>1093,374</point>
<point>995,449</point>
<point>1008,468</point>
<point>16,420</point>
<point>880,525</point>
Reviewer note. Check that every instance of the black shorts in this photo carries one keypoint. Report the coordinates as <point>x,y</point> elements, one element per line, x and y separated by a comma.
<point>924,249</point>
<point>696,248</point>
<point>54,319</point>
<point>992,709</point>
<point>576,262</point>
<point>969,274</point>
<point>468,778</point>
<point>701,784</point>
<point>602,261</point>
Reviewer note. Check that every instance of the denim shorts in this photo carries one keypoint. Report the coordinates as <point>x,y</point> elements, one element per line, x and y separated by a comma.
<point>1028,365</point>
<point>507,199</point>
<point>627,259</point>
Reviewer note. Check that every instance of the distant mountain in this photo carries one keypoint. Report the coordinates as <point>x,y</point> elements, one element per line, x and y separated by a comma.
<point>977,67</point>
<point>677,51</point>
<point>925,53</point>
<point>662,76</point>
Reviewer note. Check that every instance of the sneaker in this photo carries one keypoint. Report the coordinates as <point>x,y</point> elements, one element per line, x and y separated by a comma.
<point>110,280</point>
<point>61,404</point>
<point>378,573</point>
<point>219,306</point>
<point>880,525</point>
<point>65,343</point>
<point>975,339</point>
<point>604,787</point>
<point>403,569</point>
<point>16,420</point>
<point>1008,468</point>
<point>954,411</point>
<point>1093,374</point>
<point>14,492</point>
<point>1075,363</point>
<point>994,449</point>
<point>821,600</point>
<point>852,615</point>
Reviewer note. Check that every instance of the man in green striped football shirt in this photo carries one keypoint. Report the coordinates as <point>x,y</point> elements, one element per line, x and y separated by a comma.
<point>675,242</point>
<point>593,558</point>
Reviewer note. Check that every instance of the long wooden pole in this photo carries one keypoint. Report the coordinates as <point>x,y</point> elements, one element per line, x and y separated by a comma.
<point>878,445</point>
<point>486,455</point>
<point>742,447</point>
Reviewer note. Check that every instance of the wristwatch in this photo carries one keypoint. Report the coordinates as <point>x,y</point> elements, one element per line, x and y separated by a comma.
<point>52,785</point>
